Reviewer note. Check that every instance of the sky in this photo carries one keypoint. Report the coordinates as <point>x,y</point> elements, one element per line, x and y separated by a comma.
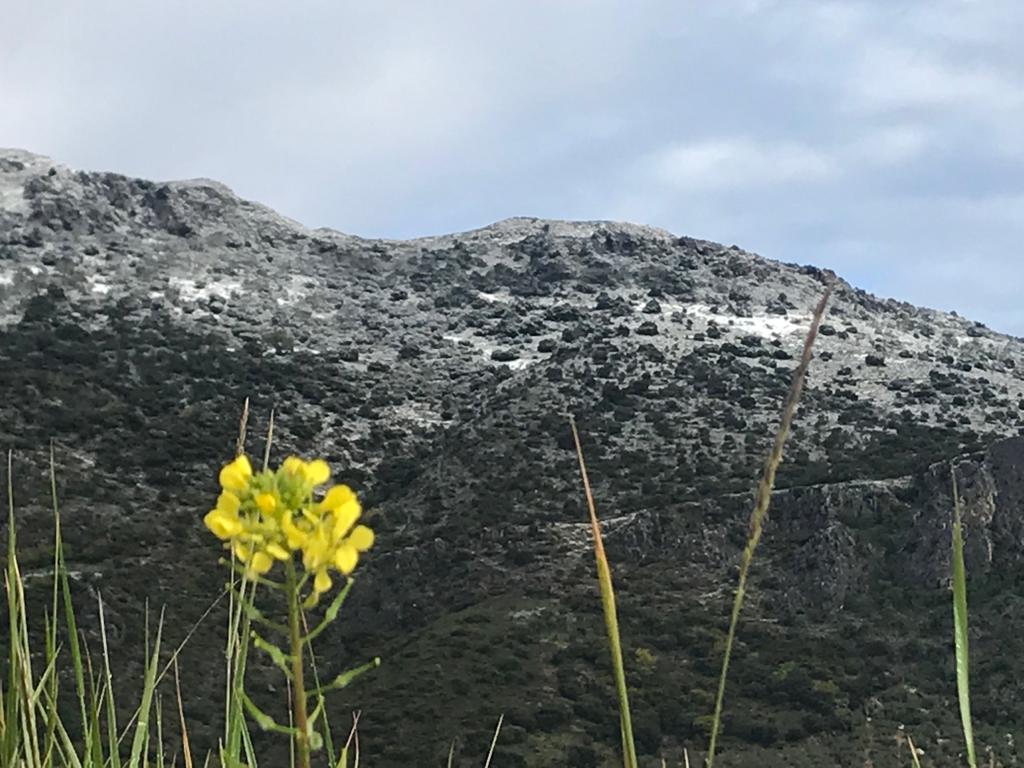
<point>883,139</point>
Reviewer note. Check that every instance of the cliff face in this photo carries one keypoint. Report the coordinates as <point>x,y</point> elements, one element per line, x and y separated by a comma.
<point>136,316</point>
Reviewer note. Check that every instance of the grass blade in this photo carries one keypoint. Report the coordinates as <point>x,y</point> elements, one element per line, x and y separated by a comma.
<point>108,692</point>
<point>186,749</point>
<point>69,613</point>
<point>494,741</point>
<point>913,752</point>
<point>10,742</point>
<point>762,500</point>
<point>611,619</point>
<point>140,743</point>
<point>963,687</point>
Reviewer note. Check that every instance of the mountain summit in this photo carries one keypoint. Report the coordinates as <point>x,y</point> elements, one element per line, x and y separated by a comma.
<point>437,373</point>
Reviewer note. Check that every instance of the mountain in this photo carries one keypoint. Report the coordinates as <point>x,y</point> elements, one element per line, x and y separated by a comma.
<point>436,376</point>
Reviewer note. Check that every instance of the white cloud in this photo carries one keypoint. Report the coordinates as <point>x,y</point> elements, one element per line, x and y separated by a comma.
<point>893,77</point>
<point>890,145</point>
<point>716,164</point>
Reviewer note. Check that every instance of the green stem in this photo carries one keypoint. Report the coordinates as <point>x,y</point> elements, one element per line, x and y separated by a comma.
<point>298,686</point>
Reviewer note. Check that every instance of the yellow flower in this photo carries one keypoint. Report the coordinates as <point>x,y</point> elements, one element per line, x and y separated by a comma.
<point>361,538</point>
<point>317,472</point>
<point>346,555</point>
<point>273,515</point>
<point>228,502</point>
<point>267,502</point>
<point>322,581</point>
<point>277,552</point>
<point>295,537</point>
<point>242,551</point>
<point>222,524</point>
<point>345,558</point>
<point>236,475</point>
<point>260,563</point>
<point>338,497</point>
<point>316,552</point>
<point>293,465</point>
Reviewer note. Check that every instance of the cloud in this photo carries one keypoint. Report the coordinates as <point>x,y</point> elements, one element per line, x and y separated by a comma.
<point>729,163</point>
<point>890,145</point>
<point>889,78</point>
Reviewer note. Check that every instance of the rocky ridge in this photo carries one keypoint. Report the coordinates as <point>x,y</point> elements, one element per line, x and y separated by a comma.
<point>436,374</point>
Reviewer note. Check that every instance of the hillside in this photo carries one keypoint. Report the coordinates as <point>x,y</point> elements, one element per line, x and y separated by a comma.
<point>436,374</point>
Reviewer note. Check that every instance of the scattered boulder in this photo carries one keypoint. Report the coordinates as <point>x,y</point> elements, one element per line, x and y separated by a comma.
<point>504,355</point>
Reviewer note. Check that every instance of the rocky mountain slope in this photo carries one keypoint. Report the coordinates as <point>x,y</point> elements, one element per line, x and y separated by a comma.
<point>436,374</point>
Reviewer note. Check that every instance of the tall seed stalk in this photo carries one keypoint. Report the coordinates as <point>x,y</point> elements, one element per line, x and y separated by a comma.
<point>761,503</point>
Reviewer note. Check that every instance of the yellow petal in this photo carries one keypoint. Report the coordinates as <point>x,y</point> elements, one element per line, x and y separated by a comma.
<point>267,502</point>
<point>322,581</point>
<point>345,558</point>
<point>222,524</point>
<point>338,496</point>
<point>277,551</point>
<point>235,476</point>
<point>261,563</point>
<point>241,462</point>
<point>344,519</point>
<point>315,552</point>
<point>293,465</point>
<point>295,536</point>
<point>317,471</point>
<point>361,538</point>
<point>242,551</point>
<point>228,502</point>
<point>311,515</point>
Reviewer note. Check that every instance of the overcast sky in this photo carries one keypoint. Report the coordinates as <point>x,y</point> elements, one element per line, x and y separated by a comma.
<point>882,139</point>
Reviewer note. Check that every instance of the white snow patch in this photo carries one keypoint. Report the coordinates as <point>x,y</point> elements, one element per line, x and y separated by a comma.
<point>485,349</point>
<point>96,285</point>
<point>294,292</point>
<point>6,278</point>
<point>34,269</point>
<point>767,326</point>
<point>12,195</point>
<point>189,291</point>
<point>417,413</point>
<point>456,339</point>
<point>504,298</point>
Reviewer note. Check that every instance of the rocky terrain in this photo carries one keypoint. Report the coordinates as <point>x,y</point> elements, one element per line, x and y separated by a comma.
<point>436,375</point>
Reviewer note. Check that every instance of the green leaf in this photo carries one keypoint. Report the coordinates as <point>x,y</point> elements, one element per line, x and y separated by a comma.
<point>345,678</point>
<point>263,720</point>
<point>963,687</point>
<point>331,613</point>
<point>281,659</point>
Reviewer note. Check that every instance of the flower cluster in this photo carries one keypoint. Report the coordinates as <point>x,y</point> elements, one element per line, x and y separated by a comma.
<point>270,515</point>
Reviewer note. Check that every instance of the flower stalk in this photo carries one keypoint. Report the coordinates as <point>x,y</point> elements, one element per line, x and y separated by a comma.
<point>281,516</point>
<point>298,685</point>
